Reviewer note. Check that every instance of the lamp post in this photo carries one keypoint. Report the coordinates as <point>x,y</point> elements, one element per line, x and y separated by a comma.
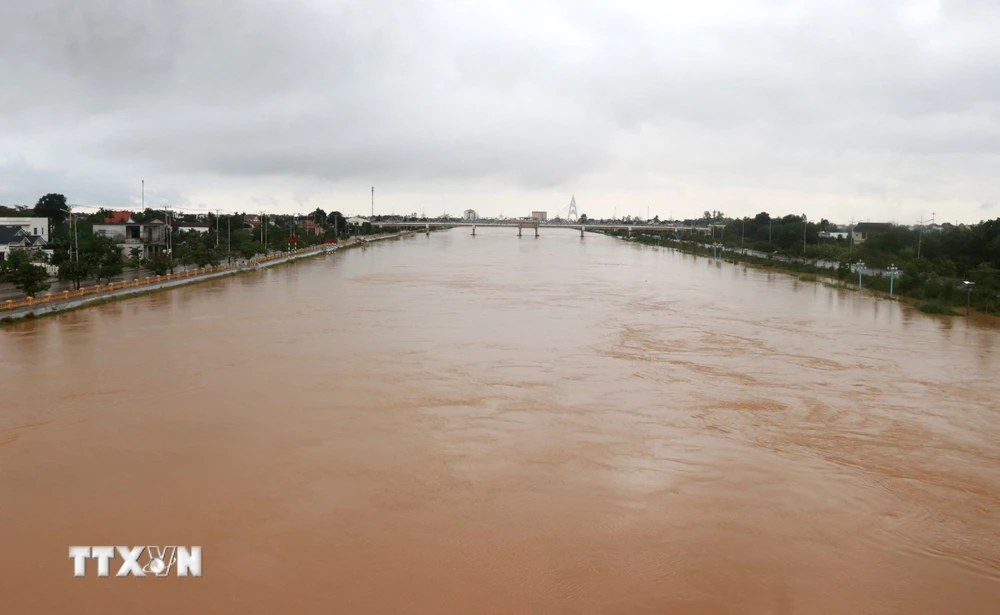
<point>743,236</point>
<point>805,227</point>
<point>893,269</point>
<point>76,237</point>
<point>861,266</point>
<point>968,297</point>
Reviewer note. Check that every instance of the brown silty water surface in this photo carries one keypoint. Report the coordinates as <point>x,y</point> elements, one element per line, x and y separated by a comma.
<point>448,424</point>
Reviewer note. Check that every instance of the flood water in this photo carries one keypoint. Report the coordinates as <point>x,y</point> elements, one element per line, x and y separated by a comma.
<point>453,425</point>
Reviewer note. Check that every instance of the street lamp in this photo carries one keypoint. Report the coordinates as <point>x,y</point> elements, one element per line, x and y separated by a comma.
<point>893,269</point>
<point>805,227</point>
<point>76,236</point>
<point>861,266</point>
<point>968,297</point>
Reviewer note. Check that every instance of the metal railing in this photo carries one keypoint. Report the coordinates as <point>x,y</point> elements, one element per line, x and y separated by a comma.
<point>67,295</point>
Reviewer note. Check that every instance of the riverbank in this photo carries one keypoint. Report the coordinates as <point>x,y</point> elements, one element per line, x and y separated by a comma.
<point>13,312</point>
<point>877,285</point>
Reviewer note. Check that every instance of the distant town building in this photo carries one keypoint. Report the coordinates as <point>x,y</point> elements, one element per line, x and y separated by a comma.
<point>200,227</point>
<point>540,216</point>
<point>310,226</point>
<point>149,237</point>
<point>834,235</point>
<point>863,230</point>
<point>31,226</point>
<point>119,217</point>
<point>469,215</point>
<point>13,237</point>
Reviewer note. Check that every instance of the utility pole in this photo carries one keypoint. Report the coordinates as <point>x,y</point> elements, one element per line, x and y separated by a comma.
<point>920,233</point>
<point>217,229</point>
<point>166,230</point>
<point>850,247</point>
<point>373,203</point>
<point>229,236</point>
<point>805,227</point>
<point>920,236</point>
<point>144,195</point>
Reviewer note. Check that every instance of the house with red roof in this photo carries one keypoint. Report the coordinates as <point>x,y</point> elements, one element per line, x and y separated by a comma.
<point>311,226</point>
<point>119,217</point>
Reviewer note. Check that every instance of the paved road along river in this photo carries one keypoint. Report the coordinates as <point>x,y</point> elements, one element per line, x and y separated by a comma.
<point>447,424</point>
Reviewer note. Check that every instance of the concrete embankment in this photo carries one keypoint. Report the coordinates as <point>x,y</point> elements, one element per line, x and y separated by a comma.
<point>70,300</point>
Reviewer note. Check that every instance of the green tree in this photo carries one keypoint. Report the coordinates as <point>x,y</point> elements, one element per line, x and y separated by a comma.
<point>74,271</point>
<point>158,263</point>
<point>134,258</point>
<point>338,222</point>
<point>104,257</point>
<point>583,218</point>
<point>26,276</point>
<point>251,249</point>
<point>51,206</point>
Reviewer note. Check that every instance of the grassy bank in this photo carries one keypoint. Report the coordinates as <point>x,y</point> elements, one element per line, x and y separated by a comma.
<point>933,292</point>
<point>936,307</point>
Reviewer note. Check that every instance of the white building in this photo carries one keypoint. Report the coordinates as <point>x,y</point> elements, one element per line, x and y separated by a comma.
<point>149,237</point>
<point>200,227</point>
<point>31,226</point>
<point>469,215</point>
<point>835,235</point>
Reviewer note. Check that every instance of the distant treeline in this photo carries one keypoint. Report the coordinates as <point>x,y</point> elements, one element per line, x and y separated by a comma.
<point>947,257</point>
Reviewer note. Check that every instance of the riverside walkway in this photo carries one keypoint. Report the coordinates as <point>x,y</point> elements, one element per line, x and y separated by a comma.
<point>70,299</point>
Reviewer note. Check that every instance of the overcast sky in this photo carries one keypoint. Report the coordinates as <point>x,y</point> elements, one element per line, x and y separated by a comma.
<point>863,109</point>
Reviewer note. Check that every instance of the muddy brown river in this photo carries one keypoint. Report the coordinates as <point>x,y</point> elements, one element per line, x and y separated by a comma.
<point>454,425</point>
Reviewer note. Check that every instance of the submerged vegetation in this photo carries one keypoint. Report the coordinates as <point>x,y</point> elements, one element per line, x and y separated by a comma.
<point>932,265</point>
<point>936,307</point>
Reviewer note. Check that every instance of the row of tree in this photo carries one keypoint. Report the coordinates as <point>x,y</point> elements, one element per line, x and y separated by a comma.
<point>81,255</point>
<point>931,264</point>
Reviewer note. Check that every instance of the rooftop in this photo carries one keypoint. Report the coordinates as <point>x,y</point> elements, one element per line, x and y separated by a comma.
<point>10,234</point>
<point>118,217</point>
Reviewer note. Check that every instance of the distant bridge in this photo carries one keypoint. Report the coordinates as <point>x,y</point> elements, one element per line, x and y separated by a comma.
<point>536,225</point>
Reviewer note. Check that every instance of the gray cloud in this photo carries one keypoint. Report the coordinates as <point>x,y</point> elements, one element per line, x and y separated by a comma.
<point>844,108</point>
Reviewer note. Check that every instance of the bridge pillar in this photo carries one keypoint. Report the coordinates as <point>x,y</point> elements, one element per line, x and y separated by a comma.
<point>518,229</point>
<point>427,228</point>
<point>536,230</point>
<point>630,231</point>
<point>581,231</point>
<point>473,230</point>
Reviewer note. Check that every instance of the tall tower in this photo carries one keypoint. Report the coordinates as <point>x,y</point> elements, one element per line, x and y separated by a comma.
<point>572,215</point>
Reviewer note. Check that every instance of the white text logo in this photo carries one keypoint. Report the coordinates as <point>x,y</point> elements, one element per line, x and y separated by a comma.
<point>138,561</point>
